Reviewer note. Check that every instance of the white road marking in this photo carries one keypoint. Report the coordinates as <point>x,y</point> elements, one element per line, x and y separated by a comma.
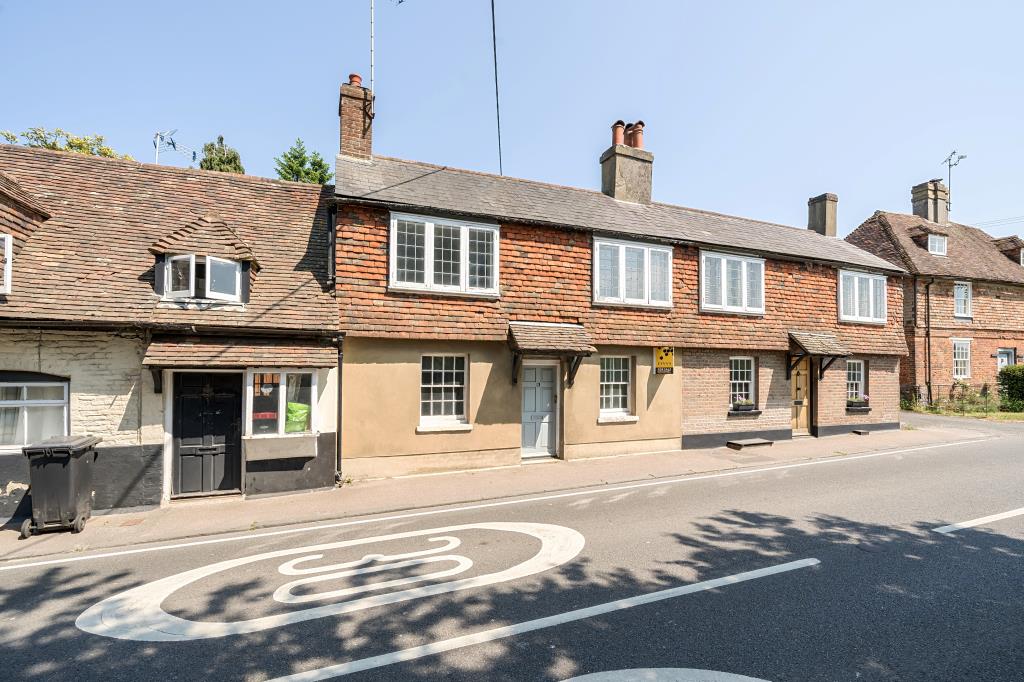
<point>482,505</point>
<point>664,675</point>
<point>137,614</point>
<point>475,638</point>
<point>953,527</point>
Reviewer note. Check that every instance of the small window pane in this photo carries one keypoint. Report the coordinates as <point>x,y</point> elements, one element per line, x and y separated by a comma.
<point>447,255</point>
<point>45,392</point>
<point>661,262</point>
<point>43,422</point>
<point>713,281</point>
<point>180,275</point>
<point>266,403</point>
<point>410,245</point>
<point>299,403</point>
<point>608,271</point>
<point>11,426</point>
<point>878,299</point>
<point>734,283</point>
<point>12,392</point>
<point>849,296</point>
<point>481,259</point>
<point>222,277</point>
<point>635,278</point>
<point>755,284</point>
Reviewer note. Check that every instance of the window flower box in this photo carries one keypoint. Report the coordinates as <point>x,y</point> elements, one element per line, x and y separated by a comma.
<point>743,406</point>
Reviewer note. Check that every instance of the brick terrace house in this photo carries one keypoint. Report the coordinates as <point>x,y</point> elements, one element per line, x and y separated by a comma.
<point>183,316</point>
<point>963,308</point>
<point>489,319</point>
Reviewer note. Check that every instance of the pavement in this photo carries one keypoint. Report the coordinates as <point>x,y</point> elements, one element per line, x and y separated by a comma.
<point>900,563</point>
<point>199,517</point>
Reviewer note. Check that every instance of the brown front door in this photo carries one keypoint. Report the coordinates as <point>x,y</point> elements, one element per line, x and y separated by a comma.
<point>801,385</point>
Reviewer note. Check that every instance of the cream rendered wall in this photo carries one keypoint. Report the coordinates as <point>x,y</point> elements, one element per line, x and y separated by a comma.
<point>656,403</point>
<point>111,395</point>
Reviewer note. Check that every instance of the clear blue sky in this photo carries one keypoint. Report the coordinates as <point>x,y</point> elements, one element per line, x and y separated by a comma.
<point>750,107</point>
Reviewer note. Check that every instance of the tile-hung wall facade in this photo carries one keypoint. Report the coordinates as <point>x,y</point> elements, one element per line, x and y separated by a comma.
<point>425,302</point>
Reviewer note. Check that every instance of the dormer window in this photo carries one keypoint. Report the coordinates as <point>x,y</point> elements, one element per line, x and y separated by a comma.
<point>937,244</point>
<point>189,276</point>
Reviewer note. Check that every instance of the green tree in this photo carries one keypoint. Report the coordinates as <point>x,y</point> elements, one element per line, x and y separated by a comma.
<point>61,140</point>
<point>217,156</point>
<point>296,164</point>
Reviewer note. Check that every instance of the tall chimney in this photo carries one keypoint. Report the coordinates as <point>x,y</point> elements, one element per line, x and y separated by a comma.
<point>626,168</point>
<point>821,214</point>
<point>355,108</point>
<point>929,201</point>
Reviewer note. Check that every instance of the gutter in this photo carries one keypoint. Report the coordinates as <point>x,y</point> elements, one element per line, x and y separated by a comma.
<point>340,340</point>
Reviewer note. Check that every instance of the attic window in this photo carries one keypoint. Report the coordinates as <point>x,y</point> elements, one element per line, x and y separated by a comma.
<point>937,244</point>
<point>6,261</point>
<point>187,276</point>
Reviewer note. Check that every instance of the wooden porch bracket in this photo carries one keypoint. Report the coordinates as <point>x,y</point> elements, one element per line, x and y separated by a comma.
<point>574,365</point>
<point>517,362</point>
<point>158,379</point>
<point>825,364</point>
<point>792,360</point>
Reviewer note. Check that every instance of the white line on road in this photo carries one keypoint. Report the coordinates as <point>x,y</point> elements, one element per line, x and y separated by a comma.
<point>482,505</point>
<point>540,623</point>
<point>953,527</point>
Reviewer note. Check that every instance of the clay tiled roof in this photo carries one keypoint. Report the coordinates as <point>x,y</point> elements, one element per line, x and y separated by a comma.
<point>548,338</point>
<point>970,253</point>
<point>170,351</point>
<point>206,236</point>
<point>425,187</point>
<point>10,188</point>
<point>91,261</point>
<point>819,343</point>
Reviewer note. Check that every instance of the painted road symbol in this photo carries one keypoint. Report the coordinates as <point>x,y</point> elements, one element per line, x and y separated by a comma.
<point>664,675</point>
<point>137,614</point>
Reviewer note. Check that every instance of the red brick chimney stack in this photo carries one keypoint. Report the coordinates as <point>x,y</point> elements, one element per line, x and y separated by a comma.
<point>355,108</point>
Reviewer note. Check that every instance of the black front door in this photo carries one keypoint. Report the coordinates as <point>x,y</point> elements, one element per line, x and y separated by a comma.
<point>207,432</point>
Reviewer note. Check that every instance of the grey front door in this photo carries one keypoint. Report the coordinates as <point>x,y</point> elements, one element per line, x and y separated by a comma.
<point>207,432</point>
<point>539,386</point>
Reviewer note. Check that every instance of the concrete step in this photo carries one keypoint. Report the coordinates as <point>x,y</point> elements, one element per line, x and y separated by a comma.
<point>741,443</point>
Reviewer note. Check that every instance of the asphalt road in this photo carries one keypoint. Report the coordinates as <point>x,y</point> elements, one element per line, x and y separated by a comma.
<point>831,570</point>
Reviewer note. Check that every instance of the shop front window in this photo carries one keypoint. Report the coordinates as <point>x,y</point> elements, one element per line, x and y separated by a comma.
<point>283,402</point>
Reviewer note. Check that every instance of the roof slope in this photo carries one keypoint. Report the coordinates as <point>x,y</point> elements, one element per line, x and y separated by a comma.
<point>91,261</point>
<point>971,253</point>
<point>416,185</point>
<point>208,236</point>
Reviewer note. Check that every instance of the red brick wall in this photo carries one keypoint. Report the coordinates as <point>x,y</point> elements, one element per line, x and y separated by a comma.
<point>706,393</point>
<point>546,276</point>
<point>883,389</point>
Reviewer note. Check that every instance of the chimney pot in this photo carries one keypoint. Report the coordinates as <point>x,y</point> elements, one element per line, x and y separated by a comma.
<point>617,134</point>
<point>638,135</point>
<point>355,79</point>
<point>821,214</point>
<point>929,200</point>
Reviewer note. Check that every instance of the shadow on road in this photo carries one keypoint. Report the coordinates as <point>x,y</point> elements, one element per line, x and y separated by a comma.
<point>886,603</point>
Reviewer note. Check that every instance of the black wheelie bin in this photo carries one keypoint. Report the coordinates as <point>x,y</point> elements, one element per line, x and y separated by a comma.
<point>60,476</point>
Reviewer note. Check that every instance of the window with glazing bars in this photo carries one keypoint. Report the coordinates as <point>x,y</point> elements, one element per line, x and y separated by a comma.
<point>443,255</point>
<point>741,380</point>
<point>443,388</point>
<point>961,359</point>
<point>855,380</point>
<point>615,382</point>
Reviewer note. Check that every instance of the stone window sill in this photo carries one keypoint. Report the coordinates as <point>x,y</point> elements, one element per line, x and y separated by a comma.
<point>618,419</point>
<point>444,428</point>
<point>851,409</point>
<point>744,413</point>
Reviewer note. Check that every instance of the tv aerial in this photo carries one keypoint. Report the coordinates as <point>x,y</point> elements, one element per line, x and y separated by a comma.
<point>165,140</point>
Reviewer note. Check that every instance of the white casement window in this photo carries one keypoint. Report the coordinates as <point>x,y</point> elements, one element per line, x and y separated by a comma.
<point>442,389</point>
<point>615,398</point>
<point>435,254</point>
<point>1022,257</point>
<point>632,273</point>
<point>741,380</point>
<point>281,402</point>
<point>962,299</point>
<point>855,380</point>
<point>937,244</point>
<point>961,358</point>
<point>6,262</point>
<point>191,276</point>
<point>32,412</point>
<point>862,297</point>
<point>731,283</point>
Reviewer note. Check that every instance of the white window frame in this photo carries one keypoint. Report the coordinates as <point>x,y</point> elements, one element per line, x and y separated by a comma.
<point>237,296</point>
<point>428,256</point>
<point>939,244</point>
<point>314,422</point>
<point>22,404</point>
<point>858,393</point>
<point>180,293</point>
<point>616,411</point>
<point>753,378</point>
<point>968,301</point>
<point>724,307</point>
<point>621,245</point>
<point>1022,257</point>
<point>8,246</point>
<point>859,278</point>
<point>961,343</point>
<point>441,420</point>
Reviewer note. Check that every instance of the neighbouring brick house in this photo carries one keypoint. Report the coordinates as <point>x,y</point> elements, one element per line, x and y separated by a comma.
<point>488,318</point>
<point>183,316</point>
<point>963,308</point>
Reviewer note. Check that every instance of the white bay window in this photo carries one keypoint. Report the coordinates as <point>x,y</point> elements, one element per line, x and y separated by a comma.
<point>443,255</point>
<point>862,297</point>
<point>732,283</point>
<point>632,273</point>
